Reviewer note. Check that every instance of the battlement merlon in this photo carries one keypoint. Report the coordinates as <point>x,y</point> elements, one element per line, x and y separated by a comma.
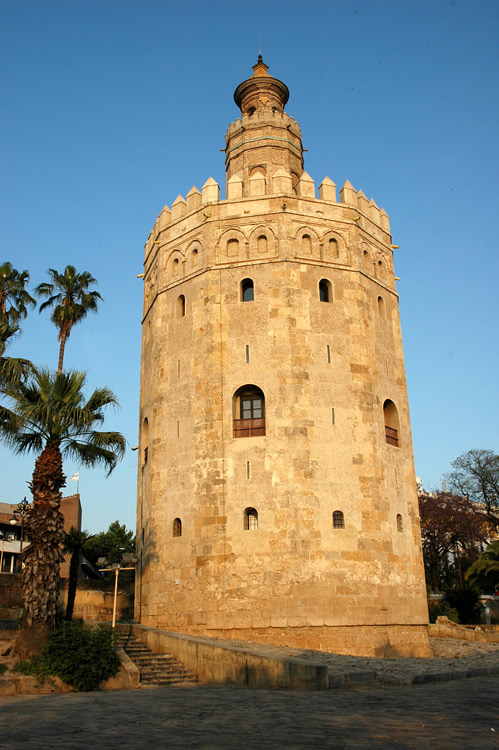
<point>195,207</point>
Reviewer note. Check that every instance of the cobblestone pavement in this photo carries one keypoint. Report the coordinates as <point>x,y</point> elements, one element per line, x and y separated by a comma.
<point>453,659</point>
<point>447,715</point>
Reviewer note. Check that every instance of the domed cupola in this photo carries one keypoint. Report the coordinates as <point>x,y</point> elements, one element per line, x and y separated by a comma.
<point>261,92</point>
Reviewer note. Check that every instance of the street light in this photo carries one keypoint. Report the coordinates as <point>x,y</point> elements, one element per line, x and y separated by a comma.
<point>21,511</point>
<point>104,566</point>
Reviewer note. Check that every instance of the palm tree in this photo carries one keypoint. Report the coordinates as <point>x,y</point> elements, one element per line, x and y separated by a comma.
<point>74,542</point>
<point>14,299</point>
<point>68,293</point>
<point>484,572</point>
<point>12,369</point>
<point>49,415</point>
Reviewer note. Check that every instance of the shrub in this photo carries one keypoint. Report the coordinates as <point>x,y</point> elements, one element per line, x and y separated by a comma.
<point>442,609</point>
<point>80,657</point>
<point>466,600</point>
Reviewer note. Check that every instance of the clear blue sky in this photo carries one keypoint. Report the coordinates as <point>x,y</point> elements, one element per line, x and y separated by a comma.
<point>111,108</point>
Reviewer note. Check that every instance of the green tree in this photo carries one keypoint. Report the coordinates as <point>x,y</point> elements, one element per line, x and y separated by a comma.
<point>12,369</point>
<point>14,298</point>
<point>14,303</point>
<point>74,543</point>
<point>475,474</point>
<point>484,572</point>
<point>70,295</point>
<point>451,528</point>
<point>50,416</point>
<point>111,543</point>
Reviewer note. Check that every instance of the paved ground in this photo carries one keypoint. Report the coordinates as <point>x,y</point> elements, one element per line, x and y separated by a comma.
<point>453,659</point>
<point>454,715</point>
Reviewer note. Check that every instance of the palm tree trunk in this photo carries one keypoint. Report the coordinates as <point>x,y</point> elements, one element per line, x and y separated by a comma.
<point>63,337</point>
<point>45,530</point>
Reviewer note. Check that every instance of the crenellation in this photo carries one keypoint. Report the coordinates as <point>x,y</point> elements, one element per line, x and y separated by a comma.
<point>362,203</point>
<point>235,187</point>
<point>282,182</point>
<point>348,194</point>
<point>194,199</point>
<point>374,212</point>
<point>327,190</point>
<point>257,184</point>
<point>164,218</point>
<point>210,191</point>
<point>179,207</point>
<point>305,187</point>
<point>384,220</point>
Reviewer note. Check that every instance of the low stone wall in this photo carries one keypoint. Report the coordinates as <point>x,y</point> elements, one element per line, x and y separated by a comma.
<point>226,664</point>
<point>445,628</point>
<point>94,604</point>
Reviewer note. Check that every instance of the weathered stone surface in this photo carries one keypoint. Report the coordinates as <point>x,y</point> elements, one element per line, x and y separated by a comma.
<point>326,369</point>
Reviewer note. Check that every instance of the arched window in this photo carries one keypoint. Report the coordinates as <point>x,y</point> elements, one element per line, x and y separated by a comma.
<point>177,527</point>
<point>381,307</point>
<point>145,440</point>
<point>306,244</point>
<point>400,523</point>
<point>247,290</point>
<point>250,519</point>
<point>233,247</point>
<point>194,257</point>
<point>262,244</point>
<point>325,291</point>
<point>338,520</point>
<point>249,412</point>
<point>391,418</point>
<point>175,267</point>
<point>180,306</point>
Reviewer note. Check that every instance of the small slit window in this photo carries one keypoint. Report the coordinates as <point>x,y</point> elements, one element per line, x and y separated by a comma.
<point>338,519</point>
<point>145,440</point>
<point>180,306</point>
<point>381,308</point>
<point>400,523</point>
<point>250,519</point>
<point>175,267</point>
<point>391,419</point>
<point>247,290</point>
<point>177,527</point>
<point>325,291</point>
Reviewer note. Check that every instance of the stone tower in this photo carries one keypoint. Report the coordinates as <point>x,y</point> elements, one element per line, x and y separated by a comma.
<point>276,492</point>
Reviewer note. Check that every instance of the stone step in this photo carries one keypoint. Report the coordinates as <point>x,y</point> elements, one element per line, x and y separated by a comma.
<point>155,669</point>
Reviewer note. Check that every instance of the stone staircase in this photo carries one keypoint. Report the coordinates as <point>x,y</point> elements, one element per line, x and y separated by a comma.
<point>155,669</point>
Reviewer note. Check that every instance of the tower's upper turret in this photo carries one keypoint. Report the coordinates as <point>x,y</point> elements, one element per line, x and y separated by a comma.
<point>265,139</point>
<point>261,91</point>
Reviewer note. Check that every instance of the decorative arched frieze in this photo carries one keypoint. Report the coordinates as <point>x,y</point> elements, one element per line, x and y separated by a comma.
<point>232,245</point>
<point>307,244</point>
<point>175,266</point>
<point>262,242</point>
<point>194,255</point>
<point>334,248</point>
